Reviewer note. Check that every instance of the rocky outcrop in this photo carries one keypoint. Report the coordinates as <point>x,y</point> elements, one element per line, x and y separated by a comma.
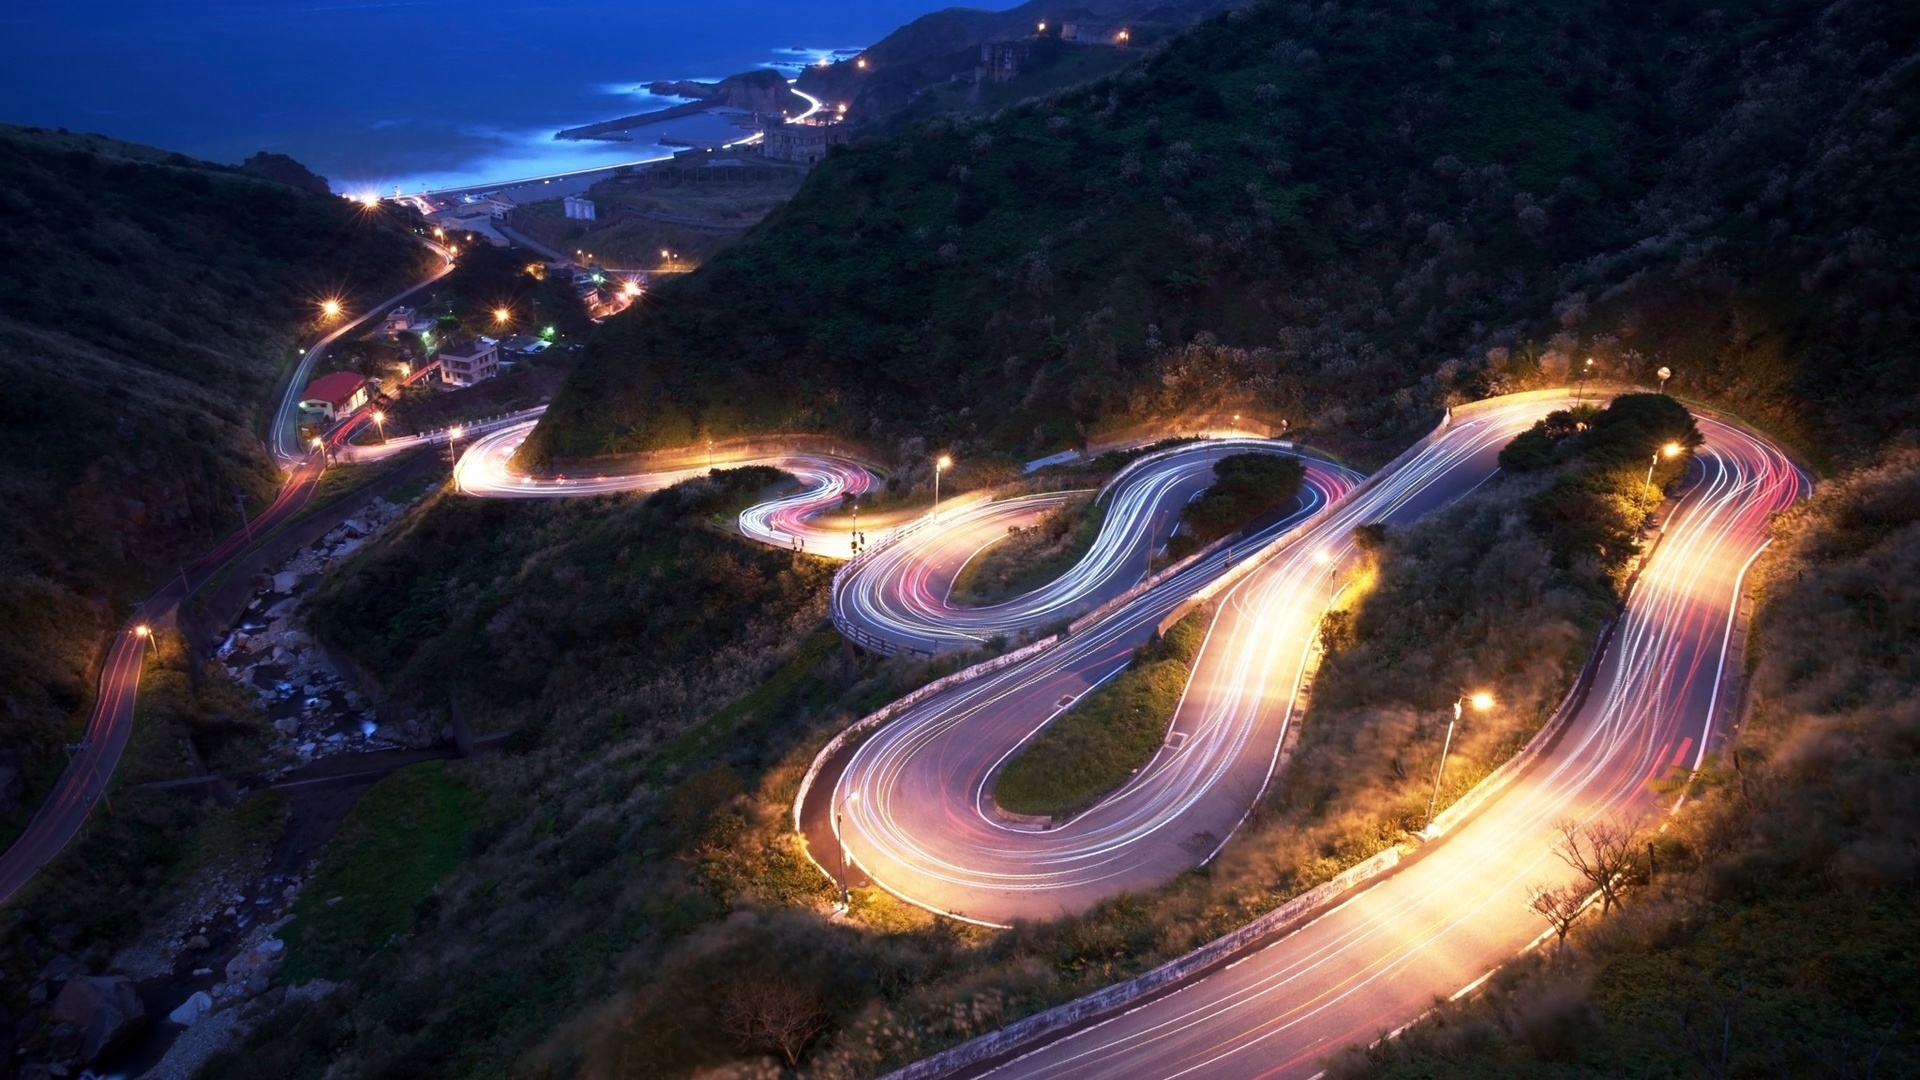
<point>759,91</point>
<point>104,1011</point>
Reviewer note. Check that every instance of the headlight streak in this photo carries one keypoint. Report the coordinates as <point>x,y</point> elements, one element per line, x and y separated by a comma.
<point>1379,958</point>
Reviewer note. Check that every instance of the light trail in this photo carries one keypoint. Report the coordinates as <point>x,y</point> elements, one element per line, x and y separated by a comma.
<point>1459,908</point>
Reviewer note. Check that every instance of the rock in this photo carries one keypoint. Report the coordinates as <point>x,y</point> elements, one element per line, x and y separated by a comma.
<point>199,943</point>
<point>255,968</point>
<point>286,581</point>
<point>192,1009</point>
<point>105,1009</point>
<point>283,609</point>
<point>61,968</point>
<point>347,549</point>
<point>286,725</point>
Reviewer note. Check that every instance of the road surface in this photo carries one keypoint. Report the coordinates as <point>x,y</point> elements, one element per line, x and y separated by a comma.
<point>1459,908</point>
<point>109,721</point>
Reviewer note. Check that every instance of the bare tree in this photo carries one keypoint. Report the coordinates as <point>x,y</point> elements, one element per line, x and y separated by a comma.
<point>1603,853</point>
<point>773,1013</point>
<point>1560,905</point>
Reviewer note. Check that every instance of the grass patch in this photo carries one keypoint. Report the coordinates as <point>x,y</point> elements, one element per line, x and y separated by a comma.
<point>407,834</point>
<point>1104,738</point>
<point>1029,558</point>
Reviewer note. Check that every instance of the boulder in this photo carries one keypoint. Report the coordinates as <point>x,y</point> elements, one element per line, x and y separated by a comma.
<point>286,581</point>
<point>192,1009</point>
<point>255,968</point>
<point>286,725</point>
<point>104,1009</point>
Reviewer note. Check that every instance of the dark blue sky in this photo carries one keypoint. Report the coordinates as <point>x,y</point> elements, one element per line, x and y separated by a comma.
<point>379,90</point>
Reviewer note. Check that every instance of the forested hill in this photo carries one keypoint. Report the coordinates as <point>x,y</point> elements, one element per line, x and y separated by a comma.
<point>1341,213</point>
<point>148,302</point>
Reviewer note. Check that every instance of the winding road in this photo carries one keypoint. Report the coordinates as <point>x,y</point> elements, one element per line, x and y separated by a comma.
<point>109,722</point>
<point>910,804</point>
<point>1446,917</point>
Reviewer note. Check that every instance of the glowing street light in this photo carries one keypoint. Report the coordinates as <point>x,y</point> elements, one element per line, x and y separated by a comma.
<point>631,288</point>
<point>861,63</point>
<point>501,315</point>
<point>330,307</point>
<point>940,464</point>
<point>1585,370</point>
<point>1663,375</point>
<point>1670,451</point>
<point>380,422</point>
<point>1481,702</point>
<point>142,631</point>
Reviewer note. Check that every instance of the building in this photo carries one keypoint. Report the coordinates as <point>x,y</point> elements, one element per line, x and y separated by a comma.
<point>334,396</point>
<point>1095,33</point>
<point>1000,61</point>
<point>801,143</point>
<point>579,208</point>
<point>397,322</point>
<point>474,362</point>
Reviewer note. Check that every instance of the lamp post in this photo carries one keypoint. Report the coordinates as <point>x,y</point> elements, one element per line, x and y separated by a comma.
<point>856,527</point>
<point>1481,702</point>
<point>1663,375</point>
<point>453,459</point>
<point>380,423</point>
<point>940,464</point>
<point>840,835</point>
<point>1580,393</point>
<point>1671,450</point>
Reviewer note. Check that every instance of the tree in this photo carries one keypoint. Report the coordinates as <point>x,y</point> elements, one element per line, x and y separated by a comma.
<point>773,1013</point>
<point>1602,852</point>
<point>1560,905</point>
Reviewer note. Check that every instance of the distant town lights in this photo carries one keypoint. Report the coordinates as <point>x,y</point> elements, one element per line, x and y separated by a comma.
<point>861,63</point>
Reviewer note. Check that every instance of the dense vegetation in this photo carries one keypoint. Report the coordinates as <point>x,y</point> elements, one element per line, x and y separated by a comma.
<point>147,304</point>
<point>1497,594</point>
<point>1777,936</point>
<point>1246,488</point>
<point>1337,213</point>
<point>1106,736</point>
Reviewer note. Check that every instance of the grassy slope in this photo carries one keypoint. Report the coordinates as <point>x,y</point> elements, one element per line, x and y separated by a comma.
<point>405,835</point>
<point>1779,937</point>
<point>147,303</point>
<point>1032,556</point>
<point>1094,746</point>
<point>1331,213</point>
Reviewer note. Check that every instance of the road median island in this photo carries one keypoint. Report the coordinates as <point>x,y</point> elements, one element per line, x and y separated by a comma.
<point>1108,734</point>
<point>1033,556</point>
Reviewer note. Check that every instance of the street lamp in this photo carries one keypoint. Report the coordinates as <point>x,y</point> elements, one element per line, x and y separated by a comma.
<point>1663,375</point>
<point>840,835</point>
<point>1481,702</point>
<point>330,308</point>
<point>320,444</point>
<point>1671,450</point>
<point>940,464</point>
<point>1584,370</point>
<point>380,422</point>
<point>142,631</point>
<point>501,315</point>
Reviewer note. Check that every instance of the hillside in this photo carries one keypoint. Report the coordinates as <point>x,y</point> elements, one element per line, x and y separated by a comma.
<point>147,304</point>
<point>922,57</point>
<point>1334,214</point>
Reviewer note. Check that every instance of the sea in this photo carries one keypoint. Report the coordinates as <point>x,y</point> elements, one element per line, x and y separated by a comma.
<point>407,95</point>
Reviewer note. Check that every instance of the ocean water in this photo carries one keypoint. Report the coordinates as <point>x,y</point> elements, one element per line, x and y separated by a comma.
<point>378,94</point>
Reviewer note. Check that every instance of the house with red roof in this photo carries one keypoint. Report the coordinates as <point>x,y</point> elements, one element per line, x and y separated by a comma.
<point>336,395</point>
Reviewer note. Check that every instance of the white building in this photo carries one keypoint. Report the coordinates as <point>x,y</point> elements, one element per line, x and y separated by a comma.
<point>475,362</point>
<point>579,208</point>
